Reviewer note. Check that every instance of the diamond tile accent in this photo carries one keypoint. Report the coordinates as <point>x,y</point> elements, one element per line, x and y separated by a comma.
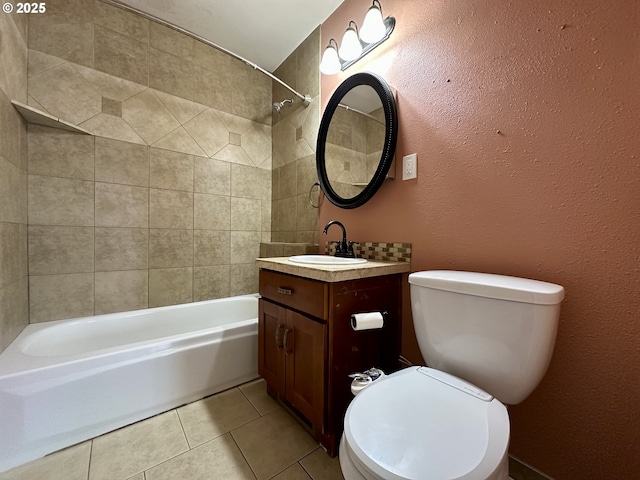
<point>180,141</point>
<point>65,94</point>
<point>209,132</point>
<point>148,116</point>
<point>183,110</point>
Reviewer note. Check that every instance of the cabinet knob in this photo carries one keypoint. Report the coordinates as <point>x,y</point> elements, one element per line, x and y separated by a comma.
<point>285,291</point>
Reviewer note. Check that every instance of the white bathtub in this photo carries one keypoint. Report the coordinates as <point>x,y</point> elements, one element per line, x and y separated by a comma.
<point>66,381</point>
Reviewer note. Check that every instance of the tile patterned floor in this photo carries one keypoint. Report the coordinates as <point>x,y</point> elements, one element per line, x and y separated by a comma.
<point>241,434</point>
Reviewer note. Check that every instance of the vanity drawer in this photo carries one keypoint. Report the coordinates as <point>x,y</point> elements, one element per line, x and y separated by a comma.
<point>303,294</point>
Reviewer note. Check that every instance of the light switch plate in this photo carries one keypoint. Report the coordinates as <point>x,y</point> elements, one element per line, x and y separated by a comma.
<point>410,166</point>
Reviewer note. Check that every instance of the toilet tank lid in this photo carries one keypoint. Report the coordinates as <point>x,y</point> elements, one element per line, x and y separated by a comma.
<point>489,285</point>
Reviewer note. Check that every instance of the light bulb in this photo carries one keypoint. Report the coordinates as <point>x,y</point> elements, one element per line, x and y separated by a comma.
<point>350,48</point>
<point>330,64</point>
<point>373,28</point>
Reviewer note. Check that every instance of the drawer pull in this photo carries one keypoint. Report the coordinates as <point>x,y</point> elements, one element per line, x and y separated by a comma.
<point>285,291</point>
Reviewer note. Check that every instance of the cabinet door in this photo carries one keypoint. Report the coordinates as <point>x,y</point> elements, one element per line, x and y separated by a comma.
<point>271,357</point>
<point>305,349</point>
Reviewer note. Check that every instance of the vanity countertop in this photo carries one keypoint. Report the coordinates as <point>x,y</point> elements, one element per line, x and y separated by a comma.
<point>333,273</point>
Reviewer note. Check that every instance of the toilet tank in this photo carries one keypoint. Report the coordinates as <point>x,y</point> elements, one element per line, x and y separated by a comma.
<point>494,331</point>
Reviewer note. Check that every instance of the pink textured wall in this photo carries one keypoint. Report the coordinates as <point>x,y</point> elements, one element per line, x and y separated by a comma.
<point>526,120</point>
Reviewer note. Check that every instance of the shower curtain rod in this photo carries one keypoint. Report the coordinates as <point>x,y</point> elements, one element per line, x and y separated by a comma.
<point>306,99</point>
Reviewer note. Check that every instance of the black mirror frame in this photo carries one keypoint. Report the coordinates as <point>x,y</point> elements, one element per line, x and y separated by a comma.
<point>391,137</point>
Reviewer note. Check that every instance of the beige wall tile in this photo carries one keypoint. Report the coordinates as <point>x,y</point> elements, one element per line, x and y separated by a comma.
<point>58,153</point>
<point>306,174</point>
<point>212,87</point>
<point>170,209</point>
<point>110,126</point>
<point>65,94</point>
<point>57,250</point>
<point>11,124</point>
<point>288,180</point>
<point>121,248</point>
<point>111,107</point>
<point>148,116</point>
<point>251,95</point>
<point>121,205</point>
<point>246,214</point>
<point>14,311</point>
<point>13,191</point>
<point>183,110</point>
<point>121,56</point>
<point>171,41</point>
<point>13,51</point>
<point>306,215</point>
<point>210,282</point>
<point>54,297</point>
<point>233,154</point>
<point>212,176</point>
<point>256,142</point>
<point>170,248</point>
<point>122,162</point>
<point>170,286</point>
<point>109,86</point>
<point>211,247</point>
<point>212,212</point>
<point>180,141</point>
<point>60,201</point>
<point>120,21</point>
<point>171,170</point>
<point>208,131</point>
<point>38,62</point>
<point>12,252</point>
<point>157,440</point>
<point>171,74</point>
<point>121,291</point>
<point>67,34</point>
<point>250,182</point>
<point>245,246</point>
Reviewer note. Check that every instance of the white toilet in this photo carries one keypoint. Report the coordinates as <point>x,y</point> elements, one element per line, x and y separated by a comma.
<point>495,332</point>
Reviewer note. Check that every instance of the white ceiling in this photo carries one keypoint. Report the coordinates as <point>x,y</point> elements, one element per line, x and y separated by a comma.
<point>262,31</point>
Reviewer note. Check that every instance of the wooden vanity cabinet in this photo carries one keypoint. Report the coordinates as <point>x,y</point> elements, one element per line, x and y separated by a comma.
<point>307,348</point>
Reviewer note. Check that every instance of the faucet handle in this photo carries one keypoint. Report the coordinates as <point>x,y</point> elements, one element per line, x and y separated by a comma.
<point>337,244</point>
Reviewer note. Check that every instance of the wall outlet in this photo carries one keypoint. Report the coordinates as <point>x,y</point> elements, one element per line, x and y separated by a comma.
<point>410,166</point>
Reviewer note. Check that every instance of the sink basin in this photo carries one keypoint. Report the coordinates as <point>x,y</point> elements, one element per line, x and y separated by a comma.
<point>326,260</point>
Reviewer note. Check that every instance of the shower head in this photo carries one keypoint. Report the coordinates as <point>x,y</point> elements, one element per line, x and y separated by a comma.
<point>278,105</point>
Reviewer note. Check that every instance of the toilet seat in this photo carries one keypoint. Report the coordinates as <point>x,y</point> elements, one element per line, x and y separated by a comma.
<point>421,423</point>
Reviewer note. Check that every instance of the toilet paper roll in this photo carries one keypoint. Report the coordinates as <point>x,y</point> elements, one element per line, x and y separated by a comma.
<point>367,321</point>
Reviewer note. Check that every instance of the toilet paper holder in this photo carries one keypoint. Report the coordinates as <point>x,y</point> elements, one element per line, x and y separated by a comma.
<point>368,320</point>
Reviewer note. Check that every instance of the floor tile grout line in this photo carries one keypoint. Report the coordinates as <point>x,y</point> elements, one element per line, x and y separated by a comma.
<point>90,456</point>
<point>242,453</point>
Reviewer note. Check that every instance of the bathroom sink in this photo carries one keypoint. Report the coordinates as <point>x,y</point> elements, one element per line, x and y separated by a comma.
<point>326,260</point>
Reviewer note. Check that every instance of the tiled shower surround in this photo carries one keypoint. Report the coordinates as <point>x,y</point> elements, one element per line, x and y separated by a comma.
<point>14,295</point>
<point>170,197</point>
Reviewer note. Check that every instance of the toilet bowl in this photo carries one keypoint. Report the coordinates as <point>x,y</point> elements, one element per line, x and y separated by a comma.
<point>433,423</point>
<point>420,423</point>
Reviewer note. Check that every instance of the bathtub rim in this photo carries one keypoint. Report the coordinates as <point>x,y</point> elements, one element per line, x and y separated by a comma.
<point>14,362</point>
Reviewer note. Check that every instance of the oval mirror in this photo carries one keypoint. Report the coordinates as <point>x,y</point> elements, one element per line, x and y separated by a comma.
<point>356,140</point>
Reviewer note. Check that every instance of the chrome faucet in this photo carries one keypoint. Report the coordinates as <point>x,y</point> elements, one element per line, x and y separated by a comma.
<point>344,248</point>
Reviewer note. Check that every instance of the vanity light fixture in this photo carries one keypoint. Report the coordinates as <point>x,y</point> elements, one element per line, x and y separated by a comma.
<point>356,44</point>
